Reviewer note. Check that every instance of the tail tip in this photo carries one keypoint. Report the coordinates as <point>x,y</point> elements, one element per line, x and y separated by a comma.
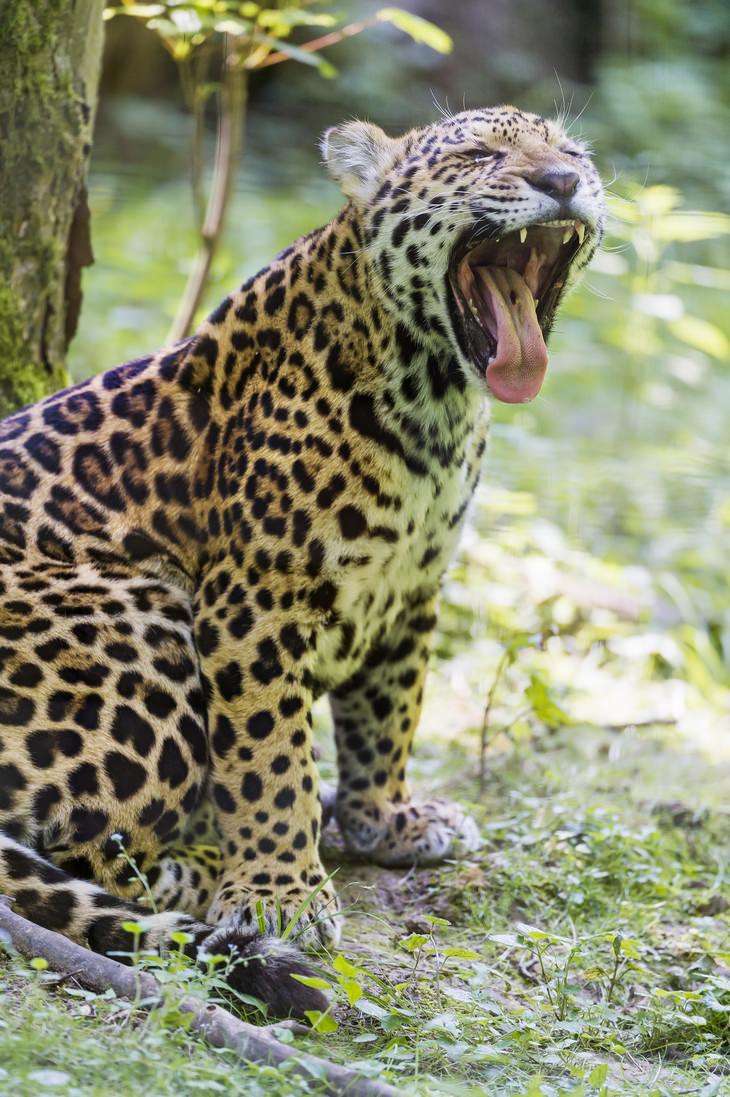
<point>265,968</point>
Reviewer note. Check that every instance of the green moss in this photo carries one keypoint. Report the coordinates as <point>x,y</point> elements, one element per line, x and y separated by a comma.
<point>21,381</point>
<point>48,60</point>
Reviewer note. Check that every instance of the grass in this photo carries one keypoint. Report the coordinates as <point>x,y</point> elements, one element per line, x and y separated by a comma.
<point>57,1039</point>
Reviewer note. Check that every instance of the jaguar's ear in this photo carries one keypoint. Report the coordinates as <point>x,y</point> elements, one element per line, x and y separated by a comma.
<point>357,155</point>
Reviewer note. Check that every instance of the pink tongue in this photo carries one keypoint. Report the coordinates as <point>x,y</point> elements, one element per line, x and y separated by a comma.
<point>516,373</point>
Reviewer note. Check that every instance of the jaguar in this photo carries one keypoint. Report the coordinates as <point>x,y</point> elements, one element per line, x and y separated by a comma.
<point>196,545</point>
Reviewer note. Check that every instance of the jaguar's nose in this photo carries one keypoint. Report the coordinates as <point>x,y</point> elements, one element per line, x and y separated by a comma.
<point>556,184</point>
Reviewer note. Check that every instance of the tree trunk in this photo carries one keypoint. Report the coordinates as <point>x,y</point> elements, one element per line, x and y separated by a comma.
<point>50,56</point>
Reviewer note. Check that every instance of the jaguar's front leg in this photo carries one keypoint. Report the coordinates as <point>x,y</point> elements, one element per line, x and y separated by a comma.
<point>263,779</point>
<point>375,715</point>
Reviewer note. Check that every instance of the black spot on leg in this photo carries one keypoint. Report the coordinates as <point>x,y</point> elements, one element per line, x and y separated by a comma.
<point>224,735</point>
<point>11,782</point>
<point>251,787</point>
<point>223,799</point>
<point>267,667</point>
<point>127,777</point>
<point>88,823</point>
<point>260,725</point>
<point>229,681</point>
<point>44,800</point>
<point>285,798</point>
<point>352,522</point>
<point>172,767</point>
<point>83,779</point>
<point>129,725</point>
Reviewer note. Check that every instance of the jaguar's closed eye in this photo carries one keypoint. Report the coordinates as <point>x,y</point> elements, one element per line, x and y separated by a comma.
<point>480,154</point>
<point>573,152</point>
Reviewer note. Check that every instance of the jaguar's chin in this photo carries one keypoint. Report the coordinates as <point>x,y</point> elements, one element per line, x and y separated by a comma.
<point>503,293</point>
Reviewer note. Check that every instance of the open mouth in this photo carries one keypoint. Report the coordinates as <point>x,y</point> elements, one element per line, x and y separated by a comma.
<point>504,295</point>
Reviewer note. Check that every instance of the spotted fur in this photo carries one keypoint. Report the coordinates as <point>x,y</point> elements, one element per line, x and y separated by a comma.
<point>196,545</point>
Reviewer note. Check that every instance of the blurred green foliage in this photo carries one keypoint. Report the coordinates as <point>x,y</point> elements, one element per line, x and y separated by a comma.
<point>265,33</point>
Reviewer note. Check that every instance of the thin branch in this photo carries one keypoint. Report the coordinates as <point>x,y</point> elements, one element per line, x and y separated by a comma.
<point>657,721</point>
<point>199,94</point>
<point>219,1027</point>
<point>484,733</point>
<point>231,118</point>
<point>316,44</point>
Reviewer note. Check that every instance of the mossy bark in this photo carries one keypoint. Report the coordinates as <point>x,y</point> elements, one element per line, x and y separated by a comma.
<point>50,56</point>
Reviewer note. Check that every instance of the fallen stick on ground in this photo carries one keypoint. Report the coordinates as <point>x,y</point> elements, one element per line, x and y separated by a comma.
<point>219,1027</point>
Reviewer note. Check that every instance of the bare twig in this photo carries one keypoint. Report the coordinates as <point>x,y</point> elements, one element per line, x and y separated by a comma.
<point>219,1027</point>
<point>656,721</point>
<point>316,44</point>
<point>199,90</point>
<point>231,116</point>
<point>484,733</point>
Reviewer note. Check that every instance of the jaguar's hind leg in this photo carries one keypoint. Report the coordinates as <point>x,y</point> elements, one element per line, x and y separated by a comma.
<point>184,879</point>
<point>49,896</point>
<point>102,720</point>
<point>83,911</point>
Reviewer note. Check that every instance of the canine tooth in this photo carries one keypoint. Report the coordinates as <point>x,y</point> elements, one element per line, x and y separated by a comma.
<point>580,231</point>
<point>567,234</point>
<point>537,301</point>
<point>523,235</point>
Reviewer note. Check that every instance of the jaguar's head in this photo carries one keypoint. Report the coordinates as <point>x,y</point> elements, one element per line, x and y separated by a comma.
<point>474,229</point>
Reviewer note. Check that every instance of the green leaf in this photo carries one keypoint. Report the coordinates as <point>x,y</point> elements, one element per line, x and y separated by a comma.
<point>181,938</point>
<point>372,1009</point>
<point>294,17</point>
<point>352,989</point>
<point>656,201</point>
<point>139,11</point>
<point>176,1018</point>
<point>344,967</point>
<point>312,981</point>
<point>166,28</point>
<point>320,1022</point>
<point>538,694</point>
<point>630,949</point>
<point>420,30</point>
<point>133,927</point>
<point>235,27</point>
<point>413,941</point>
<point>457,953</point>
<point>508,939</point>
<point>598,1075</point>
<point>532,932</point>
<point>39,963</point>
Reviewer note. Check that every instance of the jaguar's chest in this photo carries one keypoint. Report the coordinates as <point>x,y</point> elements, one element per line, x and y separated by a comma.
<point>404,555</point>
